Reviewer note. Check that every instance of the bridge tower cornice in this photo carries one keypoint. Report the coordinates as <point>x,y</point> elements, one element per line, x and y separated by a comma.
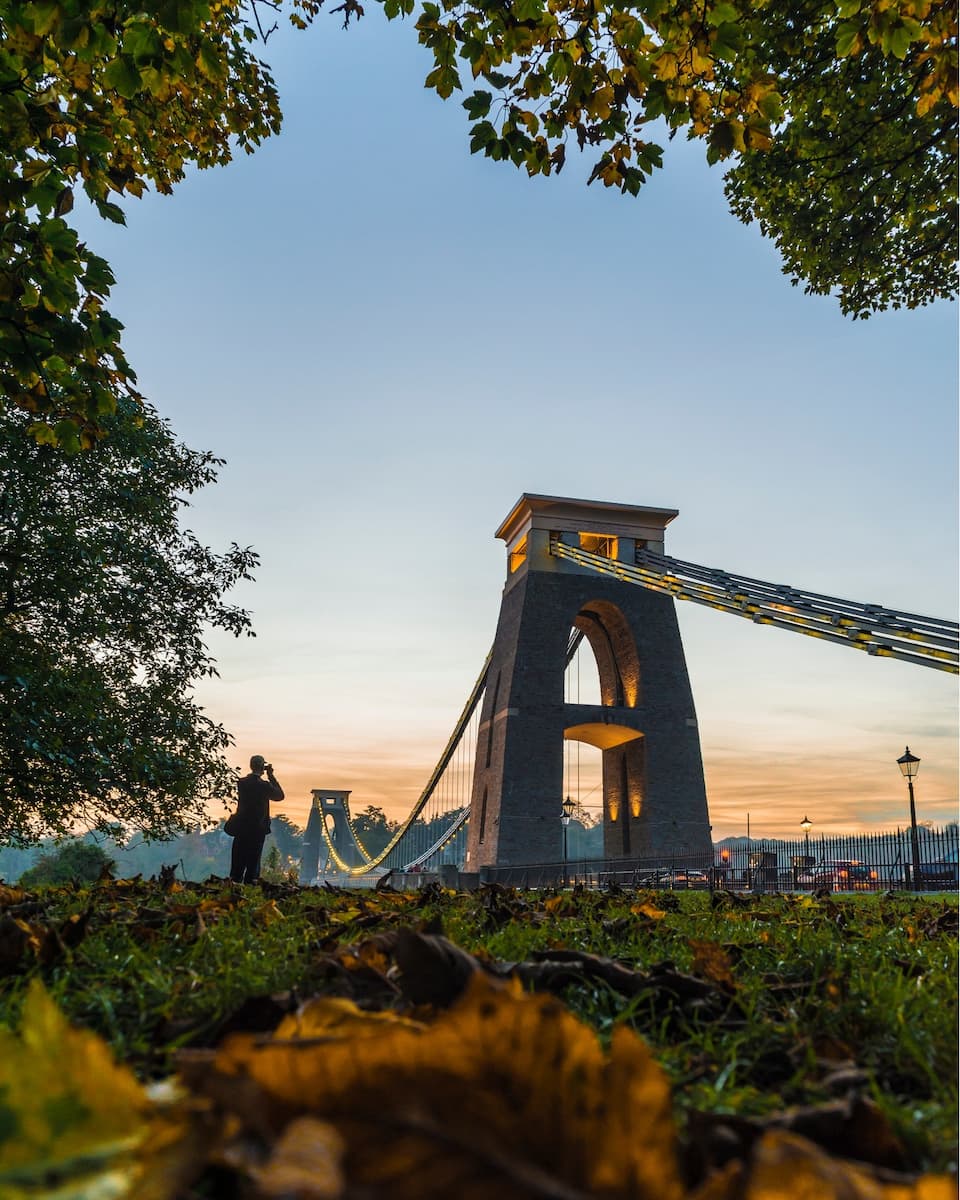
<point>614,530</point>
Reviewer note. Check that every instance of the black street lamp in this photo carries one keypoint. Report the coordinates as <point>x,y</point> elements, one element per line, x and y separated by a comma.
<point>806,825</point>
<point>566,812</point>
<point>909,765</point>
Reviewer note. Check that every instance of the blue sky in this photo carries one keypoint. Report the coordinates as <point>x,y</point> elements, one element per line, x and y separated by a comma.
<point>390,340</point>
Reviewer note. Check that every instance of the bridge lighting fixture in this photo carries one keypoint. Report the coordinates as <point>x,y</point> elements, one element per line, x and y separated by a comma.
<point>909,765</point>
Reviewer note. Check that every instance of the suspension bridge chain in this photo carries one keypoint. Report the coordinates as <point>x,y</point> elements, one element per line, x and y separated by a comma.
<point>440,813</point>
<point>423,837</point>
<point>887,633</point>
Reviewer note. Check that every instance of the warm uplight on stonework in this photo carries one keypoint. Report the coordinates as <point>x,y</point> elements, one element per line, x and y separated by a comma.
<point>613,808</point>
<point>599,543</point>
<point>635,802</point>
<point>603,736</point>
<point>518,555</point>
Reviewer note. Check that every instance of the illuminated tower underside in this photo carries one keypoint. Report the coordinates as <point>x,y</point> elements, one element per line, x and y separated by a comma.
<point>654,799</point>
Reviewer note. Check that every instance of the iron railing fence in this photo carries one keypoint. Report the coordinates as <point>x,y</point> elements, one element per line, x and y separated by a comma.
<point>849,863</point>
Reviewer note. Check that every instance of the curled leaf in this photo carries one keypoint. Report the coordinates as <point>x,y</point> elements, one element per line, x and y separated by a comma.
<point>505,1094</point>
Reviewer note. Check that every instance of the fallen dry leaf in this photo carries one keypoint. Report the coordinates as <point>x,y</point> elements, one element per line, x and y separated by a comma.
<point>505,1094</point>
<point>334,1017</point>
<point>712,962</point>
<point>305,1163</point>
<point>785,1166</point>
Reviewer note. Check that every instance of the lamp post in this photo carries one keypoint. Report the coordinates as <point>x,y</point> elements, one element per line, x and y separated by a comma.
<point>566,812</point>
<point>806,825</point>
<point>909,765</point>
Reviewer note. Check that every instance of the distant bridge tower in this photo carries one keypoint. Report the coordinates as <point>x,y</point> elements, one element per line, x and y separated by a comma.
<point>330,807</point>
<point>654,798</point>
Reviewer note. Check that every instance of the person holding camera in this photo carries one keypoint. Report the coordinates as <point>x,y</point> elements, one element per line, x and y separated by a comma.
<point>254,794</point>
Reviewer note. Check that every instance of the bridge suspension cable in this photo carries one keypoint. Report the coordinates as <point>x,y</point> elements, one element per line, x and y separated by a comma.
<point>418,839</point>
<point>887,633</point>
<point>425,835</point>
<point>440,817</point>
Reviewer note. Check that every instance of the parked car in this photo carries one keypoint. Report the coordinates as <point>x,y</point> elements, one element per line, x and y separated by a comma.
<point>657,878</point>
<point>673,877</point>
<point>844,875</point>
<point>688,877</point>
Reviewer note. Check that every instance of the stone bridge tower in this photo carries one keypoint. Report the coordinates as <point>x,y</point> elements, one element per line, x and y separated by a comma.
<point>654,799</point>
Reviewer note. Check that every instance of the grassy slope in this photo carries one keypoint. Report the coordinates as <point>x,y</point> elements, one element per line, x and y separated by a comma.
<point>808,997</point>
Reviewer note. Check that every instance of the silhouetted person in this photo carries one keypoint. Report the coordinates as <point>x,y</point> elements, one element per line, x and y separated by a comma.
<point>254,794</point>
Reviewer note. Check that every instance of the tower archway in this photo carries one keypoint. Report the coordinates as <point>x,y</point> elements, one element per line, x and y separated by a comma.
<point>608,634</point>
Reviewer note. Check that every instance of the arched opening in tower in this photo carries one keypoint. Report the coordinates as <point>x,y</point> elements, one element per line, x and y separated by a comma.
<point>622,780</point>
<point>583,783</point>
<point>581,680</point>
<point>614,653</point>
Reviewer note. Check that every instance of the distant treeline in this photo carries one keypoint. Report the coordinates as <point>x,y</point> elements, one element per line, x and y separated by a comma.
<point>196,855</point>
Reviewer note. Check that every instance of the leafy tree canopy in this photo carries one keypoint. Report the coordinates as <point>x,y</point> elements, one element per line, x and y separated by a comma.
<point>287,835</point>
<point>112,97</point>
<point>104,604</point>
<point>837,119</point>
<point>374,829</point>
<point>74,862</point>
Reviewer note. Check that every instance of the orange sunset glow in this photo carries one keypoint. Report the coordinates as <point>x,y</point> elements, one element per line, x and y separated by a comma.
<point>788,727</point>
<point>868,794</point>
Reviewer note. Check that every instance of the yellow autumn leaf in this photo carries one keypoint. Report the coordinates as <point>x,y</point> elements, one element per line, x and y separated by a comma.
<point>600,104</point>
<point>345,916</point>
<point>334,1017</point>
<point>784,1166</point>
<point>366,955</point>
<point>76,1125</point>
<point>268,913</point>
<point>648,910</point>
<point>756,139</point>
<point>63,1095</point>
<point>505,1095</point>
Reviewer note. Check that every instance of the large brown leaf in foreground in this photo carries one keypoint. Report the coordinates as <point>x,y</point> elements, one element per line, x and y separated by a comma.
<point>505,1095</point>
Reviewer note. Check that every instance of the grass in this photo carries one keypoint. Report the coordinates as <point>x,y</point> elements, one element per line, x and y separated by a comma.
<point>802,998</point>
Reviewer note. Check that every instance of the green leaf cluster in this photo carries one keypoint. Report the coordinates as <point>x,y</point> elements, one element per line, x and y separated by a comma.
<point>111,98</point>
<point>837,119</point>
